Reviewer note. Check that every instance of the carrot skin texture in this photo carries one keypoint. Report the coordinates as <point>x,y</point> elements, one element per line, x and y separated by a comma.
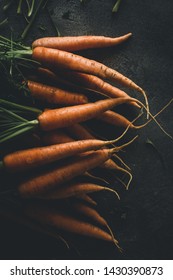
<point>91,82</point>
<point>63,117</point>
<point>76,43</point>
<point>79,132</point>
<point>53,58</point>
<point>54,178</point>
<point>115,119</point>
<point>55,95</point>
<point>67,223</point>
<point>39,156</point>
<point>72,189</point>
<point>56,137</point>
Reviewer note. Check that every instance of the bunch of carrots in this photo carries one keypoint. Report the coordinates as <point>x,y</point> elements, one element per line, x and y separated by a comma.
<point>59,166</point>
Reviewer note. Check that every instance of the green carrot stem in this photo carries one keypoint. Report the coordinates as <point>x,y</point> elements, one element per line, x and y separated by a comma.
<point>20,107</point>
<point>7,5</point>
<point>18,130</point>
<point>19,8</point>
<point>1,165</point>
<point>4,22</point>
<point>30,11</point>
<point>25,32</point>
<point>116,6</point>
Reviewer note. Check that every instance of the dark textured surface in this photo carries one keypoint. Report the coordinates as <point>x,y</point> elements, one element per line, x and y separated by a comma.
<point>143,219</point>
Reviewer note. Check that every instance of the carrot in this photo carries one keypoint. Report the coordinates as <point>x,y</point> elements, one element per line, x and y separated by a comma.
<point>56,219</point>
<point>79,132</point>
<point>63,117</point>
<point>94,215</point>
<point>74,190</point>
<point>85,197</point>
<point>59,175</point>
<point>55,137</point>
<point>53,58</point>
<point>115,119</point>
<point>55,95</point>
<point>90,82</point>
<point>76,43</point>
<point>39,156</point>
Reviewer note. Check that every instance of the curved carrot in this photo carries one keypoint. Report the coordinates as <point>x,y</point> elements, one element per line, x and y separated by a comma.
<point>115,119</point>
<point>55,95</point>
<point>53,178</point>
<point>53,58</point>
<point>39,156</point>
<point>54,218</point>
<point>74,190</point>
<point>76,43</point>
<point>63,117</point>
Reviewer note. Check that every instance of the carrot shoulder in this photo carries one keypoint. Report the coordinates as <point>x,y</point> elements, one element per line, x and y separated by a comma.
<point>76,43</point>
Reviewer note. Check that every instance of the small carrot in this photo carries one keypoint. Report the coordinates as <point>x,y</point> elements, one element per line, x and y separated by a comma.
<point>76,43</point>
<point>75,190</point>
<point>39,156</point>
<point>54,178</point>
<point>68,223</point>
<point>53,58</point>
<point>55,95</point>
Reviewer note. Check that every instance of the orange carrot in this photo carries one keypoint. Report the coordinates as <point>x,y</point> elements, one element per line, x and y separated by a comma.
<point>55,137</point>
<point>63,117</point>
<point>59,175</point>
<point>115,119</point>
<point>76,43</point>
<point>54,218</point>
<point>74,190</point>
<point>95,216</point>
<point>55,95</point>
<point>85,197</point>
<point>79,132</point>
<point>39,156</point>
<point>53,58</point>
<point>79,80</point>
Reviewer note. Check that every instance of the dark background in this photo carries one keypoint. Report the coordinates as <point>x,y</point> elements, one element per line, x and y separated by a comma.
<point>143,219</point>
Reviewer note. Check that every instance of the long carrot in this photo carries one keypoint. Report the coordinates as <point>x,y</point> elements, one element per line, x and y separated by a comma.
<point>54,178</point>
<point>55,95</point>
<point>54,218</point>
<point>88,81</point>
<point>76,43</point>
<point>75,190</point>
<point>63,117</point>
<point>39,156</point>
<point>53,58</point>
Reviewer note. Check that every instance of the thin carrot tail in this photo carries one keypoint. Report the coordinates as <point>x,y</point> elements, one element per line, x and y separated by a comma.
<point>96,177</point>
<point>154,117</point>
<point>115,241</point>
